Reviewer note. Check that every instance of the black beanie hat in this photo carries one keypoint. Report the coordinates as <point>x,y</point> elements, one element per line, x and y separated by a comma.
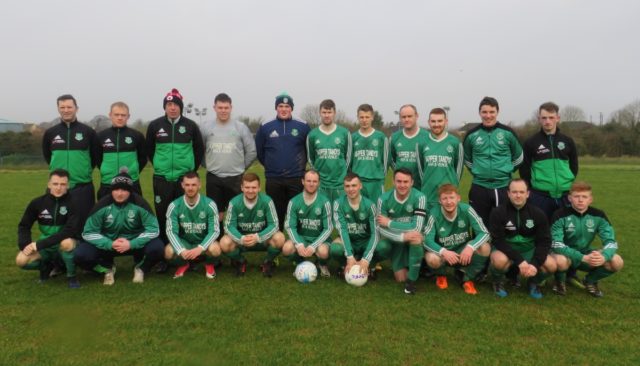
<point>284,98</point>
<point>173,96</point>
<point>122,180</point>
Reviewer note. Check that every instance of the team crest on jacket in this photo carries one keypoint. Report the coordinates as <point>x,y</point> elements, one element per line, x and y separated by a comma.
<point>128,140</point>
<point>63,210</point>
<point>181,129</point>
<point>529,224</point>
<point>260,213</point>
<point>561,145</point>
<point>79,136</point>
<point>202,215</point>
<point>449,149</point>
<point>337,140</point>
<point>131,214</point>
<point>158,199</point>
<point>294,132</point>
<point>374,142</point>
<point>461,223</point>
<point>318,211</point>
<point>409,208</point>
<point>362,216</point>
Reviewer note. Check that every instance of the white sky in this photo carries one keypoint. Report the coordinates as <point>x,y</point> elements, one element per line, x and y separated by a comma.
<point>387,53</point>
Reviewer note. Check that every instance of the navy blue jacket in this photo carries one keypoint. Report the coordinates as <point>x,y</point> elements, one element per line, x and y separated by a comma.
<point>281,148</point>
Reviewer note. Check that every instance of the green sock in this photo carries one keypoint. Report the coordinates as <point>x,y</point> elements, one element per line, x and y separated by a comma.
<point>67,258</point>
<point>235,255</point>
<point>32,265</point>
<point>496,275</point>
<point>475,267</point>
<point>539,277</point>
<point>272,253</point>
<point>561,276</point>
<point>416,252</point>
<point>441,271</point>
<point>597,274</point>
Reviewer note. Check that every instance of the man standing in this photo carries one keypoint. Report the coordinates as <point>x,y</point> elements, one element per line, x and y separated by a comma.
<point>58,226</point>
<point>120,146</point>
<point>355,219</point>
<point>174,147</point>
<point>441,158</point>
<point>329,151</point>
<point>120,224</point>
<point>308,224</point>
<point>370,154</point>
<point>73,146</point>
<point>550,162</point>
<point>406,143</point>
<point>573,231</point>
<point>520,235</point>
<point>491,153</point>
<point>280,145</point>
<point>455,236</point>
<point>251,224</point>
<point>229,151</point>
<point>192,228</point>
<point>401,216</point>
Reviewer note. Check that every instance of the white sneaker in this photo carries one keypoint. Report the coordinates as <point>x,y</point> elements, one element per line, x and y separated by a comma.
<point>324,271</point>
<point>109,277</point>
<point>138,275</point>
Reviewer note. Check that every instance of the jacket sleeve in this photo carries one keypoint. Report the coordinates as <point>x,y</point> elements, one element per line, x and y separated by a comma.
<point>386,157</point>
<point>607,236</point>
<point>173,229</point>
<point>498,237</point>
<point>558,245</point>
<point>349,150</point>
<point>479,229</point>
<point>573,158</point>
<point>420,162</point>
<point>370,250</point>
<point>516,152</point>
<point>391,234</point>
<point>24,227</point>
<point>94,148</point>
<point>69,230</point>
<point>468,152</point>
<point>46,147</point>
<point>543,238</point>
<point>341,226</point>
<point>392,153</point>
<point>430,242</point>
<point>291,225</point>
<point>99,152</point>
<point>249,146</point>
<point>231,224</point>
<point>326,224</point>
<point>260,145</point>
<point>150,231</point>
<point>198,147</point>
<point>311,153</point>
<point>417,221</point>
<point>525,168</point>
<point>272,222</point>
<point>92,231</point>
<point>213,226</point>
<point>140,149</point>
<point>458,160</point>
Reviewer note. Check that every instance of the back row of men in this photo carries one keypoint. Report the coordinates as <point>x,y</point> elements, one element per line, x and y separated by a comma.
<point>175,145</point>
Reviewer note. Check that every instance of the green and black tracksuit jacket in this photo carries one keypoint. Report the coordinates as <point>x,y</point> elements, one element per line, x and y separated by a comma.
<point>515,231</point>
<point>72,147</point>
<point>120,147</point>
<point>56,221</point>
<point>550,163</point>
<point>174,148</point>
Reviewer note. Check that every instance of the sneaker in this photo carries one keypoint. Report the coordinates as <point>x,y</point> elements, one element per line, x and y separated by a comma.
<point>267,269</point>
<point>441,282</point>
<point>324,270</point>
<point>534,291</point>
<point>340,272</point>
<point>241,268</point>
<point>498,289</point>
<point>45,272</point>
<point>470,288</point>
<point>138,275</point>
<point>109,277</point>
<point>410,287</point>
<point>378,267</point>
<point>162,267</point>
<point>210,271</point>
<point>575,281</point>
<point>73,282</point>
<point>515,282</point>
<point>55,271</point>
<point>373,275</point>
<point>482,277</point>
<point>593,289</point>
<point>560,288</point>
<point>181,271</point>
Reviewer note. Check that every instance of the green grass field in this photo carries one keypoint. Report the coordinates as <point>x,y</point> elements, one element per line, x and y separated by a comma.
<point>278,321</point>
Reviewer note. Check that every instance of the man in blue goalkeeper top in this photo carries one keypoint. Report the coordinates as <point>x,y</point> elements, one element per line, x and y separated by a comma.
<point>573,231</point>
<point>192,229</point>
<point>401,217</point>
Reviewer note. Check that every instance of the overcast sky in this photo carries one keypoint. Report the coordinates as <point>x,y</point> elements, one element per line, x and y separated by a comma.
<point>387,53</point>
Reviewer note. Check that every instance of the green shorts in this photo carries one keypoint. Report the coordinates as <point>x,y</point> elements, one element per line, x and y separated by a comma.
<point>332,193</point>
<point>372,189</point>
<point>399,255</point>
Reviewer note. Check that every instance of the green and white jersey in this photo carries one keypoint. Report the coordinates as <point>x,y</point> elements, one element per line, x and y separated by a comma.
<point>403,152</point>
<point>406,215</point>
<point>439,162</point>
<point>244,218</point>
<point>308,223</point>
<point>330,155</point>
<point>188,226</point>
<point>370,156</point>
<point>356,225</point>
<point>466,228</point>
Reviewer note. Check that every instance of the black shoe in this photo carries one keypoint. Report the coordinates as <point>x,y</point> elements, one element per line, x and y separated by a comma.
<point>373,274</point>
<point>560,288</point>
<point>410,287</point>
<point>162,267</point>
<point>459,276</point>
<point>73,282</point>
<point>498,289</point>
<point>340,273</point>
<point>241,268</point>
<point>593,289</point>
<point>267,269</point>
<point>45,272</point>
<point>515,282</point>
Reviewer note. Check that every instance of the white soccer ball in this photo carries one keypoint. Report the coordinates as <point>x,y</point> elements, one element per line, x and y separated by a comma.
<point>354,277</point>
<point>306,272</point>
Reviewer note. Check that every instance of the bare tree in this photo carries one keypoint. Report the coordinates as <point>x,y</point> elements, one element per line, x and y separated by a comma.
<point>571,113</point>
<point>311,114</point>
<point>629,115</point>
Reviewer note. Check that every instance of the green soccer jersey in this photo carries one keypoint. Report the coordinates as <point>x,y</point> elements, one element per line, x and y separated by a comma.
<point>243,218</point>
<point>188,226</point>
<point>370,155</point>
<point>403,152</point>
<point>330,155</point>
<point>572,233</point>
<point>439,162</point>
<point>308,224</point>
<point>466,228</point>
<point>356,225</point>
<point>406,215</point>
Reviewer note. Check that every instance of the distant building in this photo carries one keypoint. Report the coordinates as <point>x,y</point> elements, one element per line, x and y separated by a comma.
<point>6,126</point>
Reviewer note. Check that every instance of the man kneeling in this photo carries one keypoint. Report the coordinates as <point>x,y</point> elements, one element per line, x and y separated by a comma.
<point>455,236</point>
<point>120,224</point>
<point>192,229</point>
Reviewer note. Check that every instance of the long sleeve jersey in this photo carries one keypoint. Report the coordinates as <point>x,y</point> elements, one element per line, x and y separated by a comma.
<point>491,154</point>
<point>72,147</point>
<point>120,147</point>
<point>56,221</point>
<point>188,226</point>
<point>309,224</point>
<point>406,215</point>
<point>132,220</point>
<point>356,225</point>
<point>439,162</point>
<point>281,149</point>
<point>403,152</point>
<point>573,233</point>
<point>244,218</point>
<point>330,155</point>
<point>515,231</point>
<point>174,148</point>
<point>370,155</point>
<point>466,228</point>
<point>229,148</point>
<point>550,163</point>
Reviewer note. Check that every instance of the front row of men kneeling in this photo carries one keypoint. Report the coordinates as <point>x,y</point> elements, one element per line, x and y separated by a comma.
<point>400,228</point>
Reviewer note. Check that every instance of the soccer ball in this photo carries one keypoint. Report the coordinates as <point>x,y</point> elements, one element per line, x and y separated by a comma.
<point>354,277</point>
<point>306,272</point>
